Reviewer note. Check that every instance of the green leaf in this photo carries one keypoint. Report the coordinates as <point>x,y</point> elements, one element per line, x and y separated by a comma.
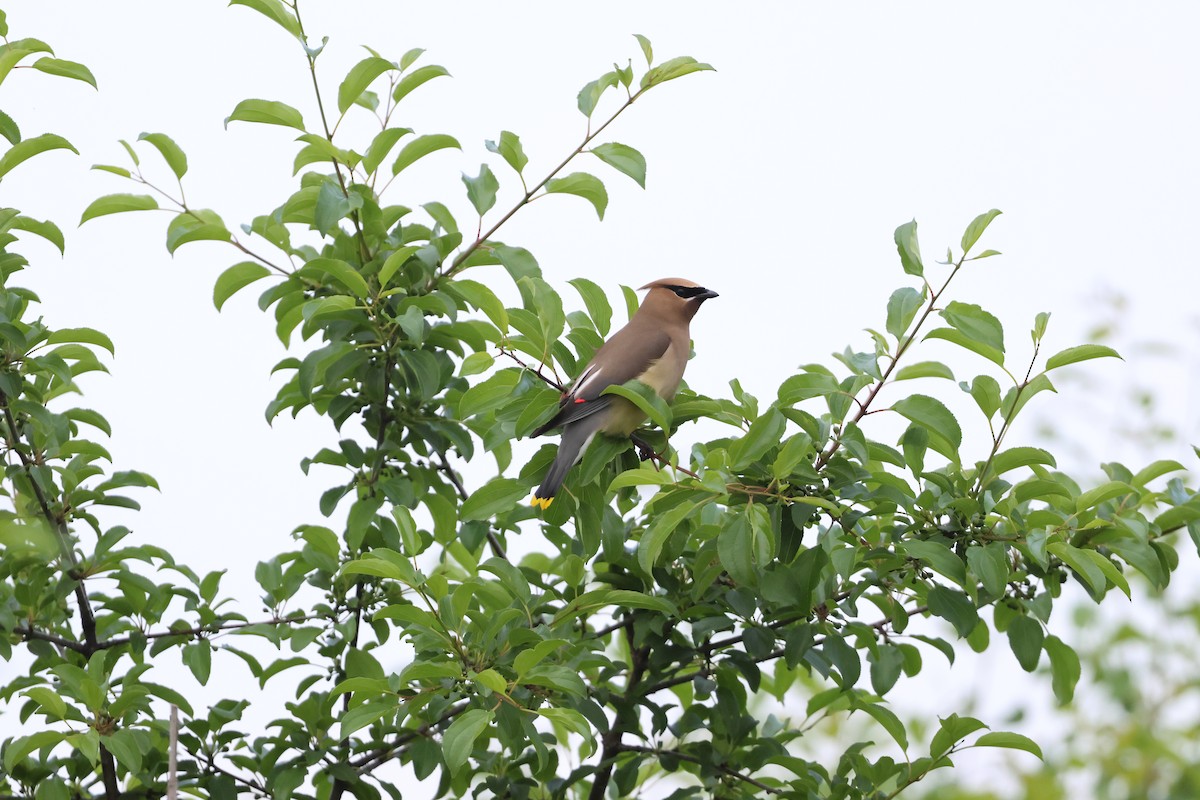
<point>380,146</point>
<point>805,386</point>
<point>332,206</point>
<point>975,323</point>
<point>1083,352</point>
<point>976,228</point>
<point>49,701</point>
<point>932,414</point>
<point>647,50</point>
<point>29,148</point>
<point>909,248</point>
<point>624,159</point>
<point>360,76</point>
<point>746,545</point>
<point>656,535</point>
<point>939,556</point>
<point>123,744</point>
<point>416,78</point>
<point>581,184</point>
<point>12,52</point>
<point>986,392</point>
<point>1064,668</point>
<point>9,128</point>
<point>1015,457</point>
<point>528,659</point>
<point>118,203</point>
<point>124,173</point>
<point>990,565</point>
<point>340,271</point>
<point>195,225</point>
<point>1013,403</point>
<point>923,369</point>
<point>959,338</point>
<point>363,715</point>
<point>459,739</point>
<point>266,112</point>
<point>65,69</point>
<point>198,658</point>
<point>592,91</point>
<point>902,308</point>
<point>237,277</point>
<point>647,401</point>
<point>47,230</point>
<point>952,731</point>
<point>481,190</point>
<point>481,297</point>
<point>420,147</point>
<point>275,11</point>
<point>171,152</point>
<point>597,304</point>
<point>915,443</point>
<point>1156,470</point>
<point>1078,560</point>
<point>81,336</point>
<point>509,147</point>
<point>495,496</point>
<point>1013,741</point>
<point>1025,637</point>
<point>627,598</point>
<point>765,433</point>
<point>671,69</point>
<point>888,720</point>
<point>576,723</point>
<point>954,607</point>
<point>17,749</point>
<point>1103,492</point>
<point>644,475</point>
<point>1039,326</point>
<point>493,680</point>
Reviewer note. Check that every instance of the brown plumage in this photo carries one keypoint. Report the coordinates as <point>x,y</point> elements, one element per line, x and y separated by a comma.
<point>653,348</point>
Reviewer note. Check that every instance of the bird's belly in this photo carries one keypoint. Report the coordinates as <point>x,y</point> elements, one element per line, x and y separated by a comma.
<point>663,376</point>
<point>623,418</point>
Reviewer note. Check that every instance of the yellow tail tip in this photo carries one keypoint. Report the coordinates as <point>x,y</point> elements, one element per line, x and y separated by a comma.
<point>541,502</point>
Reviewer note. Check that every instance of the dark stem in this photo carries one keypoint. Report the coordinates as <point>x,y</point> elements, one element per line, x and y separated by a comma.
<point>379,756</point>
<point>30,634</point>
<point>625,719</point>
<point>724,770</point>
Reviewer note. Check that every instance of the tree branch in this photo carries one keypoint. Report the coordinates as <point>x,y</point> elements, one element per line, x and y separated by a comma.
<point>724,770</point>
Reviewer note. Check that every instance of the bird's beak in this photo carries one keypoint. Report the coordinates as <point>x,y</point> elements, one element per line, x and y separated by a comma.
<point>706,294</point>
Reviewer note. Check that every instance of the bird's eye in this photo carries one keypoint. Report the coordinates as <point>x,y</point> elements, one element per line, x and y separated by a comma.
<point>688,292</point>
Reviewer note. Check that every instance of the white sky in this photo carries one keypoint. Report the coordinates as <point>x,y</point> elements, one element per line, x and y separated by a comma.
<point>776,181</point>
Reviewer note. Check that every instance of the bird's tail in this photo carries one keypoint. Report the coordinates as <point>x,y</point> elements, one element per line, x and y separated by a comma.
<point>574,439</point>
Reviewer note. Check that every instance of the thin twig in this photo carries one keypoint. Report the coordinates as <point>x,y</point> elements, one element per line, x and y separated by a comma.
<point>863,407</point>
<point>724,770</point>
<point>529,193</point>
<point>199,631</point>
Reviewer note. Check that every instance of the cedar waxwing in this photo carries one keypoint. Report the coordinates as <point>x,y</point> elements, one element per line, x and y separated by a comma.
<point>653,348</point>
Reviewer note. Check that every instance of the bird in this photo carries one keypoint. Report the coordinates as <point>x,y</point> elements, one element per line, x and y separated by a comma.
<point>653,348</point>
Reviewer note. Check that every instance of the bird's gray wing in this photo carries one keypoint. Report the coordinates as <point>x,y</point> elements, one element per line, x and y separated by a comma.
<point>621,359</point>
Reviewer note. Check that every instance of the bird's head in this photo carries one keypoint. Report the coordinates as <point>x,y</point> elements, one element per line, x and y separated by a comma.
<point>676,296</point>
